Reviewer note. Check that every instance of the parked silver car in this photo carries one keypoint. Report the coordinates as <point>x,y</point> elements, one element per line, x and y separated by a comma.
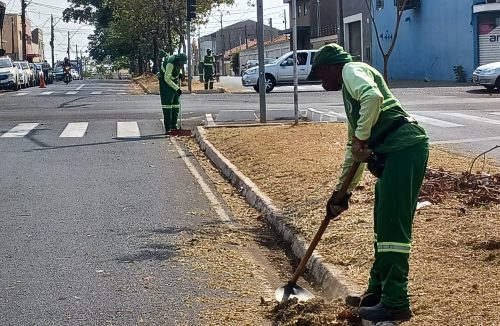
<point>488,75</point>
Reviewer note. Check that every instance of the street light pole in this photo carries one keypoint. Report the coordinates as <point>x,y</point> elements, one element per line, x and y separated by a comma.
<point>262,72</point>
<point>295,71</point>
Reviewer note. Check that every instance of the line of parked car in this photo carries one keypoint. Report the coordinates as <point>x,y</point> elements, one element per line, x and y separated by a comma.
<point>15,75</point>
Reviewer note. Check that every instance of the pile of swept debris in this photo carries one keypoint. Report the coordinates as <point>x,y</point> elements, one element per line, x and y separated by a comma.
<point>472,189</point>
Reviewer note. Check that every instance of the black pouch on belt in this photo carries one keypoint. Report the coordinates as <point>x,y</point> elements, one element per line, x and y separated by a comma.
<point>376,164</point>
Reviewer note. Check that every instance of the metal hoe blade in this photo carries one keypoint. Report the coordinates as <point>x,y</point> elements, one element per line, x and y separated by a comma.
<point>290,291</point>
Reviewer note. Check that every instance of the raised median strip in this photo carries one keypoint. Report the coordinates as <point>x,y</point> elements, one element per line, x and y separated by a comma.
<point>329,278</point>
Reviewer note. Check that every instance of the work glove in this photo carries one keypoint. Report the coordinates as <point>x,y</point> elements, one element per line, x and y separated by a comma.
<point>333,210</point>
<point>179,92</point>
<point>360,150</point>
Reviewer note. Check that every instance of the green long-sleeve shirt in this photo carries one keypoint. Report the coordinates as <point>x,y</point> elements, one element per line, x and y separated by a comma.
<point>172,72</point>
<point>370,109</point>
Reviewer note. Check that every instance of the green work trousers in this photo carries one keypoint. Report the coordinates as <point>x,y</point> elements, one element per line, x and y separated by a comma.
<point>208,77</point>
<point>396,195</point>
<point>170,105</point>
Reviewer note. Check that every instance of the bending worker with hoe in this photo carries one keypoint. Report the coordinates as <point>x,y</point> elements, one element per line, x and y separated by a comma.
<point>170,90</point>
<point>396,149</point>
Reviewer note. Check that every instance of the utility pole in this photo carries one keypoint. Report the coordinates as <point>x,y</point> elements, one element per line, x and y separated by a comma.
<point>2,15</point>
<point>68,47</point>
<point>12,30</point>
<point>222,40</point>
<point>52,39</point>
<point>246,37</point>
<point>76,54</point>
<point>295,71</point>
<point>284,20</point>
<point>318,18</point>
<point>262,72</point>
<point>271,28</point>
<point>340,33</point>
<point>23,25</point>
<point>284,17</point>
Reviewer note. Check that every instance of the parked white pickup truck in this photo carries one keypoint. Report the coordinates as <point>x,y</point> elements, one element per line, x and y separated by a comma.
<point>280,72</point>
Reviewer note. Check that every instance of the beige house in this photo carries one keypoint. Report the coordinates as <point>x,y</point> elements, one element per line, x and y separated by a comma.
<point>12,39</point>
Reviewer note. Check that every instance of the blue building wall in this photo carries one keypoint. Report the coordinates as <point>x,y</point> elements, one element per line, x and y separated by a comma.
<point>431,40</point>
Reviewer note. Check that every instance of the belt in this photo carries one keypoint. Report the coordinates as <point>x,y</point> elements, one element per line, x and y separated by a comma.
<point>395,125</point>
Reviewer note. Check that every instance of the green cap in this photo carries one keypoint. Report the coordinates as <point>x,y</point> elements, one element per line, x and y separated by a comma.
<point>329,54</point>
<point>182,58</point>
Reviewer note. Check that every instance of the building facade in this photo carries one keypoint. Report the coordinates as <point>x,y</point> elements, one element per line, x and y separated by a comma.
<point>435,36</point>
<point>12,39</point>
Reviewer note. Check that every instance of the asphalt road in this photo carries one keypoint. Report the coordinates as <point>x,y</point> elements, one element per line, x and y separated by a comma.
<point>89,221</point>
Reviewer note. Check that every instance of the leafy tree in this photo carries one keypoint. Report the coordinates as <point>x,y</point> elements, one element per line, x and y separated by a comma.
<point>136,29</point>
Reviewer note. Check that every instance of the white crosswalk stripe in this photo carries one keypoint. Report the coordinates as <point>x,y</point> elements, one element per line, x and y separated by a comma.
<point>472,117</point>
<point>20,94</point>
<point>75,130</point>
<point>20,130</point>
<point>435,122</point>
<point>71,93</point>
<point>46,93</point>
<point>96,93</point>
<point>127,129</point>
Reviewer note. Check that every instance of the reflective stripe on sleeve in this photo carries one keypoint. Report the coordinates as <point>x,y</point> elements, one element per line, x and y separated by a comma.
<point>399,247</point>
<point>390,103</point>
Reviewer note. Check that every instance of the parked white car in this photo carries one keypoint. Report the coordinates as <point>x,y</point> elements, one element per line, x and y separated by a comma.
<point>280,72</point>
<point>488,75</point>
<point>9,74</point>
<point>24,74</point>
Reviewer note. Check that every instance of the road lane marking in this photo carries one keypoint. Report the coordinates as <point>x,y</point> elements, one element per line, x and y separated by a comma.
<point>20,94</point>
<point>212,198</point>
<point>435,122</point>
<point>20,130</point>
<point>128,129</point>
<point>74,130</point>
<point>80,87</point>
<point>465,140</point>
<point>121,94</point>
<point>46,93</point>
<point>495,113</point>
<point>71,93</point>
<point>472,117</point>
<point>96,93</point>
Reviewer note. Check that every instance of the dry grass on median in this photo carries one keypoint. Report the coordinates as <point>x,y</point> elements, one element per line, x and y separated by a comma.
<point>455,263</point>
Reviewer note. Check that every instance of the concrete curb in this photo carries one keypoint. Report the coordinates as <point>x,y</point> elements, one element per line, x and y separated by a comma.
<point>329,278</point>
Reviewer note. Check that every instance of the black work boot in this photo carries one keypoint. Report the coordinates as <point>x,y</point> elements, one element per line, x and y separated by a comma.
<point>363,300</point>
<point>381,312</point>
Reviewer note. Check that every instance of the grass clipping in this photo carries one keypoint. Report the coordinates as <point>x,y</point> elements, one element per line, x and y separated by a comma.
<point>454,267</point>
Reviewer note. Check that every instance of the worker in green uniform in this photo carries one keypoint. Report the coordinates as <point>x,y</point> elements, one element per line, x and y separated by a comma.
<point>170,90</point>
<point>395,148</point>
<point>208,69</point>
<point>161,79</point>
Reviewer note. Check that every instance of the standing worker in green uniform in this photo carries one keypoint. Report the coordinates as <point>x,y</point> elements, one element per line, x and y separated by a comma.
<point>170,90</point>
<point>208,69</point>
<point>396,149</point>
<point>161,78</point>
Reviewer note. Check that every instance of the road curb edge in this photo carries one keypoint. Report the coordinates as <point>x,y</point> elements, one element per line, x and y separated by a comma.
<point>327,277</point>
